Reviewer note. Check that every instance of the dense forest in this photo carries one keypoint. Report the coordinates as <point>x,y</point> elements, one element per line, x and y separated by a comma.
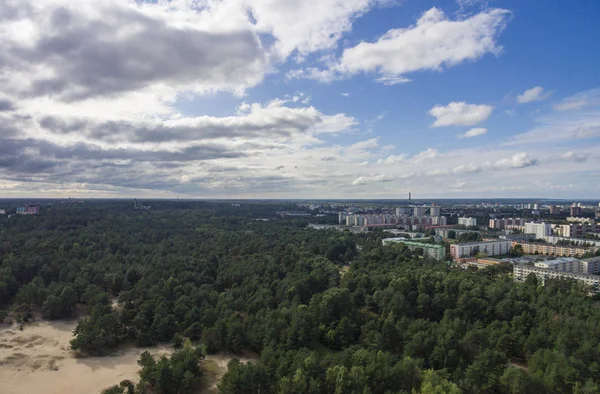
<point>241,278</point>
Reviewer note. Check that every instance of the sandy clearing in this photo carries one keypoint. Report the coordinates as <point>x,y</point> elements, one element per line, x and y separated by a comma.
<point>215,366</point>
<point>38,359</point>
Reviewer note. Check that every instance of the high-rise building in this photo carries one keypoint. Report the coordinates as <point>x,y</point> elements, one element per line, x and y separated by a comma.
<point>401,211</point>
<point>503,223</point>
<point>467,221</point>
<point>576,211</point>
<point>539,229</point>
<point>418,211</point>
<point>554,210</point>
<point>435,210</point>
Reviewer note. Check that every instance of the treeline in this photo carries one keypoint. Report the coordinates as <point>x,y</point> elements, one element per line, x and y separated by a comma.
<point>394,323</point>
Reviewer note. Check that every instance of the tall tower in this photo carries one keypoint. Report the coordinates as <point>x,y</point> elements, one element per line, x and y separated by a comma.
<point>408,196</point>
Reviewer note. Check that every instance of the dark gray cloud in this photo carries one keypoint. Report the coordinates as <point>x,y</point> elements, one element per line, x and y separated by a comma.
<point>127,50</point>
<point>274,125</point>
<point>6,105</point>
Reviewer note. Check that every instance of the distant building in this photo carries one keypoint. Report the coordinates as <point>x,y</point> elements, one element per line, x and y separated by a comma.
<point>401,211</point>
<point>539,229</point>
<point>571,264</point>
<point>554,210</point>
<point>503,223</point>
<point>488,248</point>
<point>445,232</point>
<point>435,210</point>
<point>521,272</point>
<point>434,251</point>
<point>554,239</point>
<point>418,211</point>
<point>29,210</point>
<point>554,250</point>
<point>467,221</point>
<point>576,229</point>
<point>482,263</point>
<point>576,210</point>
<point>575,219</point>
<point>2,212</point>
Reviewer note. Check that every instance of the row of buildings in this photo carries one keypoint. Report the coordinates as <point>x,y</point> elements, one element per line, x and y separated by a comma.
<point>555,250</point>
<point>584,270</point>
<point>502,247</point>
<point>28,210</point>
<point>574,227</point>
<point>408,218</point>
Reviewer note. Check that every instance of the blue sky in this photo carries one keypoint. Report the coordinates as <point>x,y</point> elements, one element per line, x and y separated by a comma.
<point>284,99</point>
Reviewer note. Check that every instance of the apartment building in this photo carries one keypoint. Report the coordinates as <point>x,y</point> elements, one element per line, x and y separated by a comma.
<point>539,229</point>
<point>502,223</point>
<point>521,272</point>
<point>467,221</point>
<point>488,248</point>
<point>554,250</point>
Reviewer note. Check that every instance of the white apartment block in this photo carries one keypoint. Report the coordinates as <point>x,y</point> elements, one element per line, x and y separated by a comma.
<point>467,221</point>
<point>553,239</point>
<point>581,220</point>
<point>570,264</point>
<point>539,229</point>
<point>435,211</point>
<point>488,248</point>
<point>521,272</point>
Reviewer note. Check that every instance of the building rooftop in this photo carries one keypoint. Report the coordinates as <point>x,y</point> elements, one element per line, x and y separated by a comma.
<point>482,242</point>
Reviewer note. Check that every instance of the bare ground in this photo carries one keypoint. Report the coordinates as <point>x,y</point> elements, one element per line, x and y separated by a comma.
<point>38,359</point>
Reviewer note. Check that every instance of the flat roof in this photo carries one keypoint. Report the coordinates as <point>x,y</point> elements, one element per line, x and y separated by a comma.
<point>483,242</point>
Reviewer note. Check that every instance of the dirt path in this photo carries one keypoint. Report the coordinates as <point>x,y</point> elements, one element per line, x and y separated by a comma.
<point>39,360</point>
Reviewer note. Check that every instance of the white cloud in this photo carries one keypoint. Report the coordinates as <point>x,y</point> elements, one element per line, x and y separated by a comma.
<point>518,160</point>
<point>460,114</point>
<point>365,180</point>
<point>534,94</point>
<point>589,98</point>
<point>477,131</point>
<point>391,80</point>
<point>345,94</point>
<point>577,157</point>
<point>306,26</point>
<point>577,117</point>
<point>433,43</point>
<point>392,159</point>
<point>426,155</point>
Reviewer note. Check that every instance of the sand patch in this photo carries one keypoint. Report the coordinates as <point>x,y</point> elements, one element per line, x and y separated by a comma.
<point>39,359</point>
<point>215,366</point>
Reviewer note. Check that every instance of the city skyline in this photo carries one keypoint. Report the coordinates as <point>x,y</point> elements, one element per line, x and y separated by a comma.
<point>361,99</point>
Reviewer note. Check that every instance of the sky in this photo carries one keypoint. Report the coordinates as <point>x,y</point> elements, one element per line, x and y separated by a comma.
<point>300,98</point>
